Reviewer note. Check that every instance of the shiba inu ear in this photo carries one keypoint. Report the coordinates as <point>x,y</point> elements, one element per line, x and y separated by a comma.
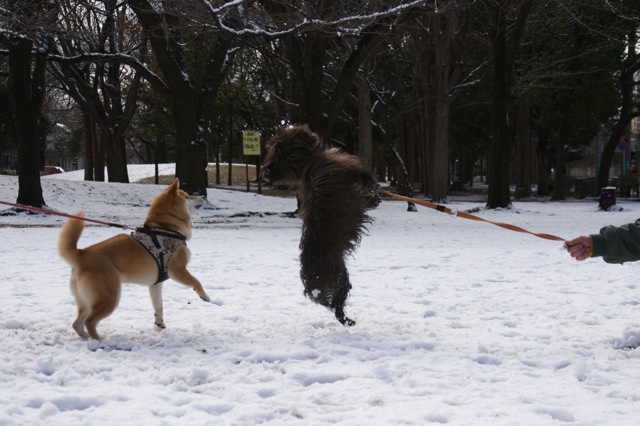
<point>175,186</point>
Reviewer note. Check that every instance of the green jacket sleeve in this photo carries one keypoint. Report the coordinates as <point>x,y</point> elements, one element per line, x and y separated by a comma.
<point>618,244</point>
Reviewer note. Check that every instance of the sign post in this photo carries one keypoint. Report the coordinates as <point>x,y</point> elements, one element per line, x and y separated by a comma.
<point>251,147</point>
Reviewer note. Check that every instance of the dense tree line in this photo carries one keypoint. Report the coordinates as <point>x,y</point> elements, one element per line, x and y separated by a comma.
<point>515,87</point>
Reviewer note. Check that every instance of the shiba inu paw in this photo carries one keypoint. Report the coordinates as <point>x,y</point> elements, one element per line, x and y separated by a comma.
<point>159,322</point>
<point>79,328</point>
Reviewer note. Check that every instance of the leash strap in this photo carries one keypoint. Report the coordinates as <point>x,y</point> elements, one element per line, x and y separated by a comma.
<point>465,215</point>
<point>46,211</point>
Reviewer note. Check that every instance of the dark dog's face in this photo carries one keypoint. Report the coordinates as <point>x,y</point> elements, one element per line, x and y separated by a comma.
<point>289,153</point>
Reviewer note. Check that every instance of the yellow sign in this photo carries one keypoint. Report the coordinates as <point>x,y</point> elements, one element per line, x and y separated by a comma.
<point>251,143</point>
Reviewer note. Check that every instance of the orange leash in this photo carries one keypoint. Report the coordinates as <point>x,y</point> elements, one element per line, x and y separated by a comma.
<point>456,213</point>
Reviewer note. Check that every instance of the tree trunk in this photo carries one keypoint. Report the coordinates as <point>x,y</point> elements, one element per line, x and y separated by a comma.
<point>499,161</point>
<point>27,92</point>
<point>365,134</point>
<point>98,158</point>
<point>563,133</point>
<point>401,172</point>
<point>428,121</point>
<point>524,153</point>
<point>543,165</point>
<point>191,149</point>
<point>116,157</point>
<point>506,35</point>
<point>440,152</point>
<point>444,28</point>
<point>89,146</point>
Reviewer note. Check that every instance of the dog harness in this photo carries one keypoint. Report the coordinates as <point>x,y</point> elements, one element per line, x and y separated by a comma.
<point>161,245</point>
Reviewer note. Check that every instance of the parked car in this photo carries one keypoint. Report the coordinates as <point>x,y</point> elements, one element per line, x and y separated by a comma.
<point>52,170</point>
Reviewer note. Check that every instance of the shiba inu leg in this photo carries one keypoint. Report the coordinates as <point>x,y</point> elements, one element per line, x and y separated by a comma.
<point>178,271</point>
<point>155,291</point>
<point>78,324</point>
<point>102,293</point>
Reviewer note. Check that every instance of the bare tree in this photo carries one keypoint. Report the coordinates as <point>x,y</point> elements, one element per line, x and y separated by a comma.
<point>95,38</point>
<point>167,27</point>
<point>326,53</point>
<point>27,35</point>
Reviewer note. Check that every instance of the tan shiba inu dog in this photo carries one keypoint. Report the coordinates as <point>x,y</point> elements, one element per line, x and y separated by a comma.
<point>148,256</point>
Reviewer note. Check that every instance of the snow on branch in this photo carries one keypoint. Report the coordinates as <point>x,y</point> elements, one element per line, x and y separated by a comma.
<point>252,20</point>
<point>130,60</point>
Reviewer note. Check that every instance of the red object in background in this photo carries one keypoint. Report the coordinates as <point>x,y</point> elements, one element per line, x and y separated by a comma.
<point>52,170</point>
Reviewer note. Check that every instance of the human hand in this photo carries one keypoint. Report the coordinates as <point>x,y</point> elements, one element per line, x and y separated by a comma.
<point>580,248</point>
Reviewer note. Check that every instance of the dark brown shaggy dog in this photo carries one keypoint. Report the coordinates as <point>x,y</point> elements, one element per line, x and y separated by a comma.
<point>334,192</point>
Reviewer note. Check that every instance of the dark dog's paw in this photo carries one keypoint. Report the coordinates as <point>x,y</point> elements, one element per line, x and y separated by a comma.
<point>345,320</point>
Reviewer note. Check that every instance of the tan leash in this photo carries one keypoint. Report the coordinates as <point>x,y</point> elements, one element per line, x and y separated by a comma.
<point>456,213</point>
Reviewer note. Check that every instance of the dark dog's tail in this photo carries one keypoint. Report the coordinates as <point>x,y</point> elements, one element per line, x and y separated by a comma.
<point>68,240</point>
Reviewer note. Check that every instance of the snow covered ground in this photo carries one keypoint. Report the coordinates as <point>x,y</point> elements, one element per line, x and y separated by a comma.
<point>458,322</point>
